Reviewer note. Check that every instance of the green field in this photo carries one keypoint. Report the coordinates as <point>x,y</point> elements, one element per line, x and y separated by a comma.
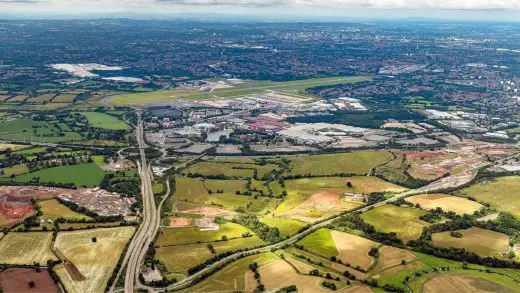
<point>105,121</point>
<point>239,90</point>
<point>89,175</point>
<point>502,193</point>
<point>187,235</point>
<point>404,222</point>
<point>358,163</point>
<point>320,242</point>
<point>195,190</point>
<point>38,131</point>
<point>179,258</point>
<point>53,209</point>
<point>211,168</point>
<point>287,227</point>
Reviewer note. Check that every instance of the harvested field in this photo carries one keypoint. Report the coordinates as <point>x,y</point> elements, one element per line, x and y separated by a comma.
<point>354,249</point>
<point>301,266</point>
<point>320,242</point>
<point>481,241</point>
<point>16,280</point>
<point>13,147</point>
<point>502,193</point>
<point>271,272</point>
<point>469,283</point>
<point>94,260</point>
<point>26,248</point>
<point>358,163</point>
<point>448,203</point>
<point>391,257</point>
<point>64,98</point>
<point>404,222</point>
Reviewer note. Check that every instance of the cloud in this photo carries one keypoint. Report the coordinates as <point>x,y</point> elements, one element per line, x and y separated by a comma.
<point>512,5</point>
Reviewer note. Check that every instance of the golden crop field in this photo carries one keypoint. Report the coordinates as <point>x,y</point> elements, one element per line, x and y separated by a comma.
<point>94,260</point>
<point>26,248</point>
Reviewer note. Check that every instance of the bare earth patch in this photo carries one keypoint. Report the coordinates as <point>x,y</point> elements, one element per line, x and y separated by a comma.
<point>318,206</point>
<point>180,222</point>
<point>209,212</point>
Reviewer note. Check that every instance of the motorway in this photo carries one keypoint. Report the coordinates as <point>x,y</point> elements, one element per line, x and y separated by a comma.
<point>151,220</point>
<point>144,235</point>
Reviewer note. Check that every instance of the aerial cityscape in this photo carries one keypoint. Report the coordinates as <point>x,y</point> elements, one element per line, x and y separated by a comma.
<point>222,148</point>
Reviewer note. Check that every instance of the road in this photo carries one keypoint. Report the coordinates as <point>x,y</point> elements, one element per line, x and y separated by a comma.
<point>139,244</point>
<point>438,185</point>
<point>151,221</point>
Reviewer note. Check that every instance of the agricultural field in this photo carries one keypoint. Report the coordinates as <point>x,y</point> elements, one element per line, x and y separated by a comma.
<point>187,235</point>
<point>448,203</point>
<point>404,222</point>
<point>271,278</point>
<point>105,121</point>
<point>502,193</point>
<point>18,99</point>
<point>197,191</point>
<point>320,242</point>
<point>38,131</point>
<point>353,249</point>
<point>357,163</point>
<point>311,199</point>
<point>231,278</point>
<point>287,227</point>
<point>481,241</point>
<point>53,209</point>
<point>180,258</point>
<point>14,170</point>
<point>26,248</point>
<point>213,168</point>
<point>464,281</point>
<point>89,175</point>
<point>94,260</point>
<point>13,280</point>
<point>64,98</point>
<point>239,90</point>
<point>13,147</point>
<point>45,98</point>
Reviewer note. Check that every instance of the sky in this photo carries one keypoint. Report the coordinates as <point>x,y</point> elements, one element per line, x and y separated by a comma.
<point>499,10</point>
